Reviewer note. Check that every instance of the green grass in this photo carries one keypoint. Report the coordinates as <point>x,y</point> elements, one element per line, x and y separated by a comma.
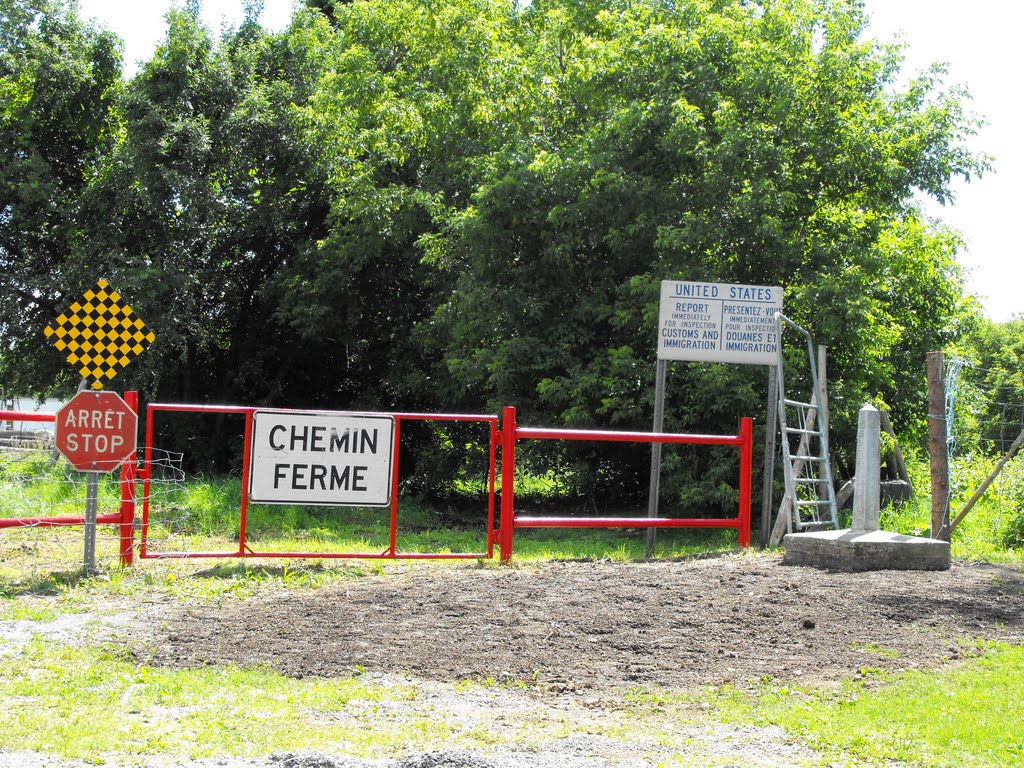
<point>993,531</point>
<point>98,702</point>
<point>91,703</point>
<point>968,716</point>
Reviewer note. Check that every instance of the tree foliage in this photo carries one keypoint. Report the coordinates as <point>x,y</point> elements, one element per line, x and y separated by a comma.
<point>471,203</point>
<point>59,82</point>
<point>986,380</point>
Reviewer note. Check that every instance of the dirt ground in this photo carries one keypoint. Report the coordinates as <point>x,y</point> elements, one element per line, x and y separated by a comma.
<point>603,626</point>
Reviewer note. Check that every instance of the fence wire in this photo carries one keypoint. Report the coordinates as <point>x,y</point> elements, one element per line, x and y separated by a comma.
<point>170,523</point>
<point>984,418</point>
<point>37,483</point>
<point>984,408</point>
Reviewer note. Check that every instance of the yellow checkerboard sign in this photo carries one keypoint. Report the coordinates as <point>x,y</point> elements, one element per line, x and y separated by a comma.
<point>100,333</point>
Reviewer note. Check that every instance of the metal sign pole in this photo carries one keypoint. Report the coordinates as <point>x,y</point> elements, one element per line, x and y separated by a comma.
<point>659,423</point>
<point>770,430</point>
<point>91,504</point>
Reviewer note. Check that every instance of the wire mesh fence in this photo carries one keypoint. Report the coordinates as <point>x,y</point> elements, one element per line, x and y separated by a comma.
<point>985,429</point>
<point>984,408</point>
<point>43,503</point>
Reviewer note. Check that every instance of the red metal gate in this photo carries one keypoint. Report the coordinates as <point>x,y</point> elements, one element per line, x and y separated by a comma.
<point>244,550</point>
<point>510,522</point>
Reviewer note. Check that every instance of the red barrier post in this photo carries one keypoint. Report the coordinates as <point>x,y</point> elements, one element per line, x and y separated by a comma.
<point>393,536</point>
<point>508,481</point>
<point>128,476</point>
<point>746,470</point>
<point>243,512</point>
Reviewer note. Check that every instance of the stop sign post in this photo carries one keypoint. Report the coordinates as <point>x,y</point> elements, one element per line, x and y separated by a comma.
<point>96,432</point>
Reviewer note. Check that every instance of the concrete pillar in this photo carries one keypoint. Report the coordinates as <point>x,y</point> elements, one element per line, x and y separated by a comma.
<point>867,482</point>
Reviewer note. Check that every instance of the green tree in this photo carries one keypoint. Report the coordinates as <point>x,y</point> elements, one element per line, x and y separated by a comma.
<point>213,187</point>
<point>724,141</point>
<point>59,81</point>
<point>471,203</point>
<point>986,380</point>
<point>404,111</point>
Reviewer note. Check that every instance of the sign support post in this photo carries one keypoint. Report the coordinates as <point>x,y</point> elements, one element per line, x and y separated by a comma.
<point>769,456</point>
<point>659,423</point>
<point>96,431</point>
<point>92,482</point>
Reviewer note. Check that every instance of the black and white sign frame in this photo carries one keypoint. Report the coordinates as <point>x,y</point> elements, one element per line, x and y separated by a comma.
<point>321,458</point>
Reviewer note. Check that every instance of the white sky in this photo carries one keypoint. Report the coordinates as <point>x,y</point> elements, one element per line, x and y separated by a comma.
<point>979,40</point>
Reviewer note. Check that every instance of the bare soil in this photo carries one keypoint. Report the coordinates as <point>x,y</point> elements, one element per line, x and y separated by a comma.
<point>603,626</point>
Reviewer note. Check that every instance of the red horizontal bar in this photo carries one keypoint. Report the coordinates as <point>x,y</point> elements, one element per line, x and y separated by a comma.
<point>445,417</point>
<point>626,437</point>
<point>247,408</point>
<point>54,522</point>
<point>626,522</point>
<point>26,416</point>
<point>201,408</point>
<point>319,555</point>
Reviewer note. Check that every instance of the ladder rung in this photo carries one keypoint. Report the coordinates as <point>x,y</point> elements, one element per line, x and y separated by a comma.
<point>806,458</point>
<point>798,404</point>
<point>819,503</point>
<point>795,431</point>
<point>810,480</point>
<point>817,526</point>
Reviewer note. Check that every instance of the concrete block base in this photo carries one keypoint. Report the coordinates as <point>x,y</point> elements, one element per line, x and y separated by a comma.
<point>850,550</point>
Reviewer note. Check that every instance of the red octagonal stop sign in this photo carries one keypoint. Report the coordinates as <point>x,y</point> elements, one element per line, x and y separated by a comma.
<point>95,431</point>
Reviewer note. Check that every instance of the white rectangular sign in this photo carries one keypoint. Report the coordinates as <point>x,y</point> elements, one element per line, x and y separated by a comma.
<point>322,458</point>
<point>718,322</point>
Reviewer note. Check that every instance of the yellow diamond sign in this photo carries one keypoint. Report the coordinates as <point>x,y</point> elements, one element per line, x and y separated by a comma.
<point>104,334</point>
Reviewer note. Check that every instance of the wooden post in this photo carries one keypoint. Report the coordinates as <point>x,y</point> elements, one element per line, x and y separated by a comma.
<point>823,414</point>
<point>937,447</point>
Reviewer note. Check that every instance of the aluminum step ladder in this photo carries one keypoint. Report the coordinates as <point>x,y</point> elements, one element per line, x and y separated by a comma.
<point>810,500</point>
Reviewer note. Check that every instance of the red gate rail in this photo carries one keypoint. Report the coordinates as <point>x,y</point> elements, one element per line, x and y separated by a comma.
<point>26,416</point>
<point>511,433</point>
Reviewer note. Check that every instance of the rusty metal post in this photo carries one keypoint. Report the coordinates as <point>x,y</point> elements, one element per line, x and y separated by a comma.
<point>659,425</point>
